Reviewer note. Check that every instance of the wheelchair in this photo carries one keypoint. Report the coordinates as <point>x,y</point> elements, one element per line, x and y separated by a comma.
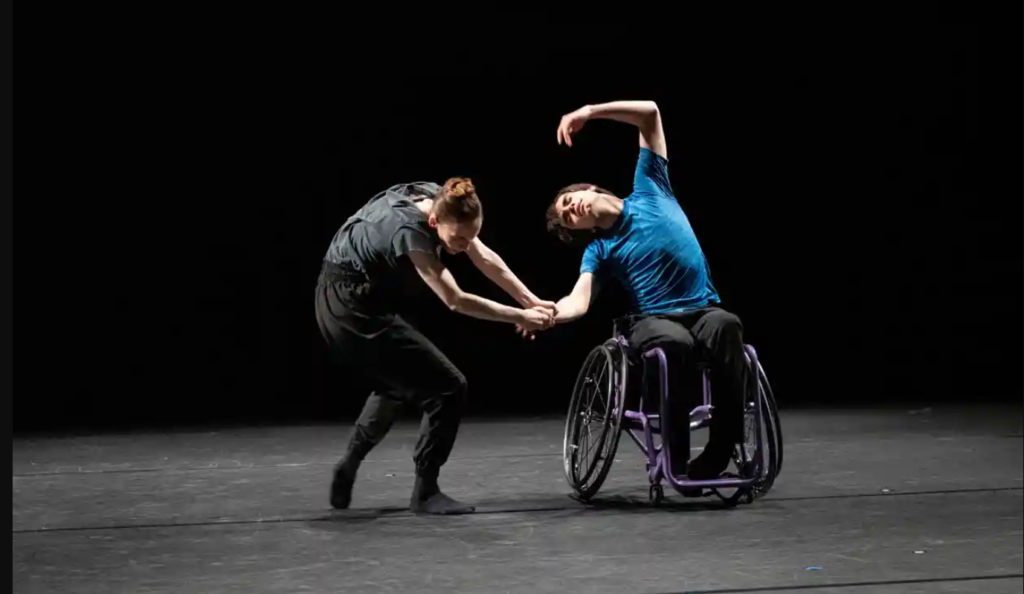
<point>598,415</point>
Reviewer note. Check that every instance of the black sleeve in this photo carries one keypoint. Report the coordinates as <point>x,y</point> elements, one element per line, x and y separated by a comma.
<point>410,238</point>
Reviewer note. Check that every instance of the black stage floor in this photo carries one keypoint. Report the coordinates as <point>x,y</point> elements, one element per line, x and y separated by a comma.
<point>869,501</point>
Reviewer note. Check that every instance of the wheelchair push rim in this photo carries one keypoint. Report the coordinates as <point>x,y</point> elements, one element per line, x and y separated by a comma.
<point>771,436</point>
<point>745,457</point>
<point>770,445</point>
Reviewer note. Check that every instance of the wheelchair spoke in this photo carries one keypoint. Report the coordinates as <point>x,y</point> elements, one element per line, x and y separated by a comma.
<point>584,443</point>
<point>596,388</point>
<point>589,446</point>
<point>587,441</point>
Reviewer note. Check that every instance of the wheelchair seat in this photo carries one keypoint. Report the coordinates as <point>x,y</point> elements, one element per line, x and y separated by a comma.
<point>621,326</point>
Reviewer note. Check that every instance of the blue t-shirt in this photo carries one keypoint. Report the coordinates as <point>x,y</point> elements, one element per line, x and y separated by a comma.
<point>651,249</point>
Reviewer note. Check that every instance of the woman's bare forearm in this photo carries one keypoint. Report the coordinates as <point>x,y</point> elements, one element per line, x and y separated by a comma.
<point>441,281</point>
<point>501,275</point>
<point>478,307</point>
<point>494,268</point>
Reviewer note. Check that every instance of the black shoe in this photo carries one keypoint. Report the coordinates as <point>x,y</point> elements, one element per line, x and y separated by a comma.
<point>711,463</point>
<point>427,498</point>
<point>341,486</point>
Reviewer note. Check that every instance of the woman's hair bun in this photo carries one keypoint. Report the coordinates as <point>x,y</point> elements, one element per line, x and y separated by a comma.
<point>457,201</point>
<point>459,187</point>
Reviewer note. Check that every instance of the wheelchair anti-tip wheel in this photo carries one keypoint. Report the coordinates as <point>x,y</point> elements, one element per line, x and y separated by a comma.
<point>656,494</point>
<point>594,419</point>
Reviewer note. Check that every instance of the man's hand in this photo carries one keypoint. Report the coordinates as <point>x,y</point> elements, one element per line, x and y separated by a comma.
<point>534,319</point>
<point>642,114</point>
<point>534,301</point>
<point>571,124</point>
<point>539,318</point>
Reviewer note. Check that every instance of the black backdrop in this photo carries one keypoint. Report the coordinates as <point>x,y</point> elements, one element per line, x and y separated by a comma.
<point>180,204</point>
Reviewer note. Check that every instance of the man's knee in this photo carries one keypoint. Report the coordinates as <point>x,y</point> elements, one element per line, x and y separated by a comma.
<point>724,325</point>
<point>670,336</point>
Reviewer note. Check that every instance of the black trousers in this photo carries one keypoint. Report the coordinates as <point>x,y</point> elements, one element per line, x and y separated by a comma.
<point>712,335</point>
<point>405,366</point>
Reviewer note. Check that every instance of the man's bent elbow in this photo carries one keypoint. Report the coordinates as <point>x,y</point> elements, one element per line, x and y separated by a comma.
<point>647,110</point>
<point>652,115</point>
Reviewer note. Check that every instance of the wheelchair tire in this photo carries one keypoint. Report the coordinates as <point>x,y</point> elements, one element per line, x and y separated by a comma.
<point>774,431</point>
<point>771,438</point>
<point>773,417</point>
<point>598,395</point>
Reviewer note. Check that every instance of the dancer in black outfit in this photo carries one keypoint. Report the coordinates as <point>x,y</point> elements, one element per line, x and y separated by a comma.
<point>405,227</point>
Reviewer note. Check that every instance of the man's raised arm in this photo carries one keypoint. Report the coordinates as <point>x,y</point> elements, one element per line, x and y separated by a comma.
<point>642,114</point>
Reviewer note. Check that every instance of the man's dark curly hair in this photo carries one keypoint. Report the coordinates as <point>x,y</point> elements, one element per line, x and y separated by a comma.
<point>554,223</point>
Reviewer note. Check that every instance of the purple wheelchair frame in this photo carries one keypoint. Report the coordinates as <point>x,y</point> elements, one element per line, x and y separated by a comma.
<point>659,457</point>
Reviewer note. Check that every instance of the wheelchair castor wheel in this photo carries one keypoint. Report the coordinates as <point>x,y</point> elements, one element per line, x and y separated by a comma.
<point>656,494</point>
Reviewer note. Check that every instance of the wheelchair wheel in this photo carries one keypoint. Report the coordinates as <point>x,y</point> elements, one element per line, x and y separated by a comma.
<point>771,439</point>
<point>773,417</point>
<point>594,419</point>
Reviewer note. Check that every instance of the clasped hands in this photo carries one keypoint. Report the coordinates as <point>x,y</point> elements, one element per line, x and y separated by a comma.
<point>537,315</point>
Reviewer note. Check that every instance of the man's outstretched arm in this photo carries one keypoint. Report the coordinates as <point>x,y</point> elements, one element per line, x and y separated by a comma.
<point>576,304</point>
<point>642,114</point>
<point>572,306</point>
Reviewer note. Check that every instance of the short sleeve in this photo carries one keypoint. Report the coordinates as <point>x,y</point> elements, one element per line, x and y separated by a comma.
<point>592,257</point>
<point>411,238</point>
<point>651,177</point>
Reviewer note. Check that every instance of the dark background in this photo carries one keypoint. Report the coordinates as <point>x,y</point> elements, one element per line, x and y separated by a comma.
<point>181,202</point>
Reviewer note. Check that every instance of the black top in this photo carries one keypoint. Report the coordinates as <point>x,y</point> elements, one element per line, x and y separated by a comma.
<point>372,242</point>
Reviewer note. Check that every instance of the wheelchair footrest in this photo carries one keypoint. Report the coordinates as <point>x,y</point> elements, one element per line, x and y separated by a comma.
<point>701,414</point>
<point>638,426</point>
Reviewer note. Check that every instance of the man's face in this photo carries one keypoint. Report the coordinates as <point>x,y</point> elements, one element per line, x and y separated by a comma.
<point>576,209</point>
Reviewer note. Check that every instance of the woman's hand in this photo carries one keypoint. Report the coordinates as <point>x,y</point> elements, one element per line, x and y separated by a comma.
<point>535,318</point>
<point>532,301</point>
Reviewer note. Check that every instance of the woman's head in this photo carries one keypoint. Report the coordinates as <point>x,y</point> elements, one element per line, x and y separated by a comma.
<point>457,214</point>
